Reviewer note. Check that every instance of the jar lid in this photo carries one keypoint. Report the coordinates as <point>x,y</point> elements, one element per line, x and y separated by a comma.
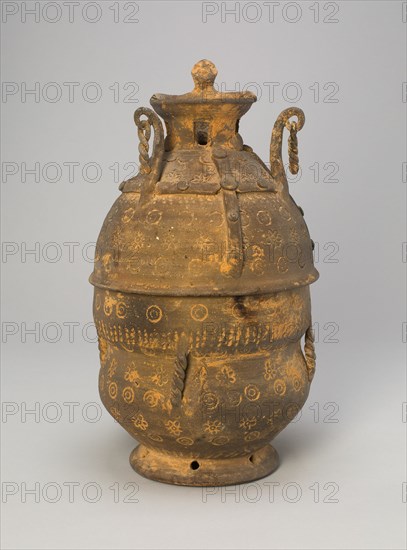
<point>203,73</point>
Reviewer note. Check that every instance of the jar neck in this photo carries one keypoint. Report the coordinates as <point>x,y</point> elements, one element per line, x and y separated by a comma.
<point>192,125</point>
<point>203,130</point>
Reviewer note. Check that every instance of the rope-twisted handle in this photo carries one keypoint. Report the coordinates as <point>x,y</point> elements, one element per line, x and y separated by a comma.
<point>309,352</point>
<point>276,161</point>
<point>181,363</point>
<point>294,162</point>
<point>144,134</point>
<point>178,382</point>
<point>150,165</point>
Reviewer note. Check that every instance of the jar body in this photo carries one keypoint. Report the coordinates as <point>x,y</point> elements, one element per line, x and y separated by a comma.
<point>184,244</point>
<point>242,381</point>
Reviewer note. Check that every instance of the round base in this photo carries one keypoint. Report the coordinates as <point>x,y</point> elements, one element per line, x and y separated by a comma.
<point>201,472</point>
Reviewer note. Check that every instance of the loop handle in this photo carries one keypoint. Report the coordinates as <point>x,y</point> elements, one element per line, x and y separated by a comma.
<point>150,166</point>
<point>309,352</point>
<point>276,161</point>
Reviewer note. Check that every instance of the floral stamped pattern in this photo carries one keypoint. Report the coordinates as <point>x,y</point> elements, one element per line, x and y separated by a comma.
<point>114,411</point>
<point>140,422</point>
<point>270,371</point>
<point>160,377</point>
<point>213,426</point>
<point>226,375</point>
<point>173,427</point>
<point>112,368</point>
<point>131,375</point>
<point>248,423</point>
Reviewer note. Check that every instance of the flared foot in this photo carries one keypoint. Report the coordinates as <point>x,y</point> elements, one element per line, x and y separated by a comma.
<point>200,472</point>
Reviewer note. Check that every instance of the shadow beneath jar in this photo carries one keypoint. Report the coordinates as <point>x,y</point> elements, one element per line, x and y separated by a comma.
<point>304,440</point>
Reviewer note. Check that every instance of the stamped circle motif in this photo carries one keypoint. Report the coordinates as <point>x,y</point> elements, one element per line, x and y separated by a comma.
<point>297,383</point>
<point>279,387</point>
<point>152,398</point>
<point>282,264</point>
<point>113,390</point>
<point>154,216</point>
<point>220,440</point>
<point>154,314</point>
<point>155,437</point>
<point>121,310</point>
<point>108,308</point>
<point>199,312</point>
<point>251,436</point>
<point>252,392</point>
<point>291,411</point>
<point>210,400</point>
<point>128,394</point>
<point>264,217</point>
<point>233,398</point>
<point>186,441</point>
<point>284,213</point>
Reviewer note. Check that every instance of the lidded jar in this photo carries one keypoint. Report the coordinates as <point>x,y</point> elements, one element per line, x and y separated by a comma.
<point>202,274</point>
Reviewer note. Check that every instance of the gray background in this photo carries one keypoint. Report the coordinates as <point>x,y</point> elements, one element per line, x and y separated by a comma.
<point>350,439</point>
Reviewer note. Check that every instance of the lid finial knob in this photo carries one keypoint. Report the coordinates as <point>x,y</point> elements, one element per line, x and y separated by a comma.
<point>204,73</point>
